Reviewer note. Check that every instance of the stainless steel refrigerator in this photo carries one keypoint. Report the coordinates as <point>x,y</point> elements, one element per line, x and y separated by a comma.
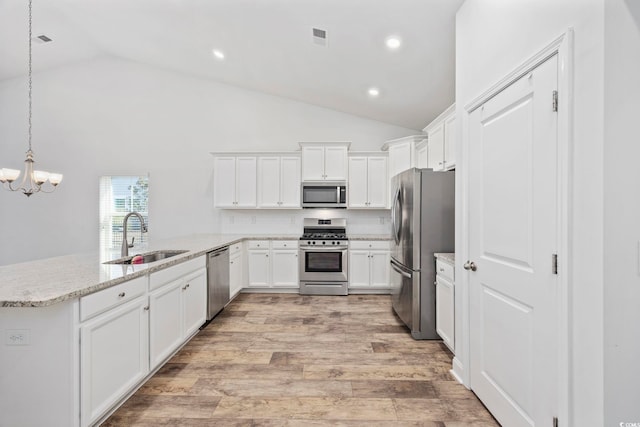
<point>422,217</point>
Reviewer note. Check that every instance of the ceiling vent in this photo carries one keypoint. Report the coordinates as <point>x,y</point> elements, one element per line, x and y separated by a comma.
<point>42,39</point>
<point>319,37</point>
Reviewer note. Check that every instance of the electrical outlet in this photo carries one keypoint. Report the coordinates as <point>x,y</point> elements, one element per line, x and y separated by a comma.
<point>17,337</point>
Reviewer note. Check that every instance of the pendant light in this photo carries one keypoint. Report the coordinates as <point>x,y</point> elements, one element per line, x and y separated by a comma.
<point>32,181</point>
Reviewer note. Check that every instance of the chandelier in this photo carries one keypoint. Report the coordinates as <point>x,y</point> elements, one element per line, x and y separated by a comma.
<point>32,181</point>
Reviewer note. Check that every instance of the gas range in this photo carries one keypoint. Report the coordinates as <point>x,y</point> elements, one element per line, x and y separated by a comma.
<point>324,232</point>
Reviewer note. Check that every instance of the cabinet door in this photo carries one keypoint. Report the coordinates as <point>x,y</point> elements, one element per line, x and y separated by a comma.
<point>400,158</point>
<point>380,261</point>
<point>269,182</point>
<point>358,196</point>
<point>165,321</point>
<point>313,163</point>
<point>436,148</point>
<point>335,163</point>
<point>235,274</point>
<point>358,269</point>
<point>246,189</point>
<point>449,142</point>
<point>114,357</point>
<point>290,182</point>
<point>284,268</point>
<point>194,302</point>
<point>224,182</point>
<point>445,311</point>
<point>377,182</point>
<point>422,158</point>
<point>259,268</point>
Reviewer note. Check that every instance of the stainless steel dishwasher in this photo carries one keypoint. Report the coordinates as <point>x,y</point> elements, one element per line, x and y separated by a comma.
<point>218,281</point>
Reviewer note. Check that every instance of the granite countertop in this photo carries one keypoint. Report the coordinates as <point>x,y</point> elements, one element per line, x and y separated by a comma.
<point>446,256</point>
<point>49,281</point>
<point>369,237</point>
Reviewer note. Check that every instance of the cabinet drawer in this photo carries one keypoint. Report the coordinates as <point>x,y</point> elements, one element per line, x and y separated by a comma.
<point>174,272</point>
<point>444,269</point>
<point>258,244</point>
<point>235,248</point>
<point>369,244</point>
<point>106,299</point>
<point>284,244</point>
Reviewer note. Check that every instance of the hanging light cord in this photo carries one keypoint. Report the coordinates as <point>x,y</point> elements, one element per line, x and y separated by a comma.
<point>30,70</point>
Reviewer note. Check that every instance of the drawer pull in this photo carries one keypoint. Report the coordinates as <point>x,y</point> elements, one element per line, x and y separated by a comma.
<point>184,288</point>
<point>146,308</point>
<point>121,294</point>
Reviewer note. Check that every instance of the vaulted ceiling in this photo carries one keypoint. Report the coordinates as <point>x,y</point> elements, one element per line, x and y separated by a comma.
<point>268,47</point>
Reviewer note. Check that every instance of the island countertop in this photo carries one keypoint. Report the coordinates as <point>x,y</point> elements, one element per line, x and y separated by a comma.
<point>53,280</point>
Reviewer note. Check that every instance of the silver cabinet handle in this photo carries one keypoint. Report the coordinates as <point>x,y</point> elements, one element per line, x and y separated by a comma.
<point>146,308</point>
<point>121,294</point>
<point>184,288</point>
<point>470,265</point>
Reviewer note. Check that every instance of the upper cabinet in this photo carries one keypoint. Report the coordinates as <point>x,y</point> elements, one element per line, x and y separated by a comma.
<point>324,161</point>
<point>441,141</point>
<point>368,181</point>
<point>235,182</point>
<point>402,153</point>
<point>279,182</point>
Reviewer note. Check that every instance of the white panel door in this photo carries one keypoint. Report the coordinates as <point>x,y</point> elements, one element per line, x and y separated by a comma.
<point>380,261</point>
<point>290,182</point>
<point>435,148</point>
<point>269,182</point>
<point>194,302</point>
<point>224,182</point>
<point>284,268</point>
<point>512,236</point>
<point>259,268</point>
<point>449,142</point>
<point>246,189</point>
<point>313,163</point>
<point>335,163</point>
<point>377,182</point>
<point>359,269</point>
<point>358,195</point>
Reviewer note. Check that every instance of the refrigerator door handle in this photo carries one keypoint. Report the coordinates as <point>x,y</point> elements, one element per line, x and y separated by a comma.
<point>396,216</point>
<point>397,268</point>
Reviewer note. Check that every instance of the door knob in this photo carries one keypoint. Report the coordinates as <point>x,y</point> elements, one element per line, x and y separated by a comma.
<point>470,265</point>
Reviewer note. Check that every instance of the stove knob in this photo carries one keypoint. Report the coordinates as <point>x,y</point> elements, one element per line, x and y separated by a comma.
<point>324,243</point>
<point>333,243</point>
<point>308,243</point>
<point>313,243</point>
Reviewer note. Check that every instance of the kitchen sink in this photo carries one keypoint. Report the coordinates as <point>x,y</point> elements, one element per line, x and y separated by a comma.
<point>147,257</point>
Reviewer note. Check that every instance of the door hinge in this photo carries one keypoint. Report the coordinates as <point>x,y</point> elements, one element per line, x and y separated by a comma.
<point>555,421</point>
<point>555,101</point>
<point>554,263</point>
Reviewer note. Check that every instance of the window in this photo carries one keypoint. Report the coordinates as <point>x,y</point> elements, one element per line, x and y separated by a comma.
<point>120,195</point>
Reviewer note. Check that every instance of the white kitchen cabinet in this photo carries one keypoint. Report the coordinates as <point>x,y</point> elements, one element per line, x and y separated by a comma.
<point>324,162</point>
<point>402,153</point>
<point>368,182</point>
<point>178,307</point>
<point>279,182</point>
<point>441,142</point>
<point>445,292</point>
<point>273,264</point>
<point>114,357</point>
<point>235,269</point>
<point>369,266</point>
<point>235,182</point>
<point>435,157</point>
<point>422,155</point>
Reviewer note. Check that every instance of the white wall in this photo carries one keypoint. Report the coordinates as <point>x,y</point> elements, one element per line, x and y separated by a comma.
<point>493,38</point>
<point>110,117</point>
<point>621,212</point>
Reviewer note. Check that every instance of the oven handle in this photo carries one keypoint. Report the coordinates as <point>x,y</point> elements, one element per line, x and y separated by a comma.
<point>323,249</point>
<point>396,267</point>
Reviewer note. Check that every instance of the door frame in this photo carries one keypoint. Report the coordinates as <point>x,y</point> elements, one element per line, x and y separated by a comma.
<point>563,47</point>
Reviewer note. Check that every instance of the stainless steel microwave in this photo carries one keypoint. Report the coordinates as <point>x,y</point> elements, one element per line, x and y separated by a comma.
<point>324,194</point>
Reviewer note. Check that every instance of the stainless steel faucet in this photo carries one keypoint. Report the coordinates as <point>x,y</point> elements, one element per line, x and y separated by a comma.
<point>125,243</point>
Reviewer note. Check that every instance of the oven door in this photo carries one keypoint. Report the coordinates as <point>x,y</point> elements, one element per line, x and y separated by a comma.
<point>323,264</point>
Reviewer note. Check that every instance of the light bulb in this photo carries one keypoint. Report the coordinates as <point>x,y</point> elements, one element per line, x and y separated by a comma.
<point>40,176</point>
<point>55,178</point>
<point>10,174</point>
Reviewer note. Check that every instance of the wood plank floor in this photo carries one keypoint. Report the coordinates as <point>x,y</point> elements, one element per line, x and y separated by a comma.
<point>291,360</point>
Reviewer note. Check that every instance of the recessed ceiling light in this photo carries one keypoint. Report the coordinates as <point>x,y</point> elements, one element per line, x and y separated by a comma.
<point>393,42</point>
<point>218,54</point>
<point>373,92</point>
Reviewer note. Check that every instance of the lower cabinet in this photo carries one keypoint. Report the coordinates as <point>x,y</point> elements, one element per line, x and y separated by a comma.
<point>369,265</point>
<point>177,308</point>
<point>445,302</point>
<point>114,353</point>
<point>273,264</point>
<point>235,269</point>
